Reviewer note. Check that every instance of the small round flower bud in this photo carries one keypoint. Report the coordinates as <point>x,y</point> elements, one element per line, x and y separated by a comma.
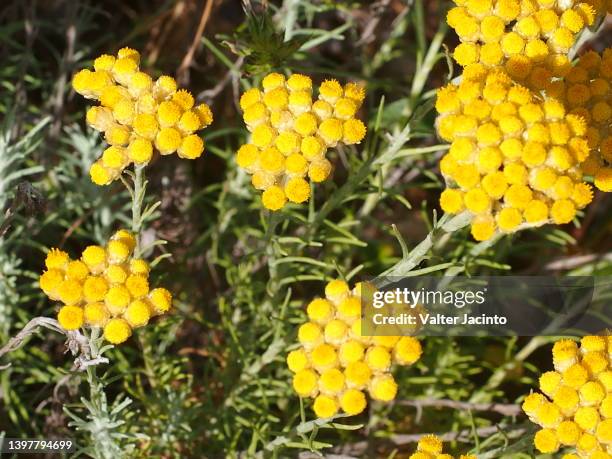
<point>297,360</point>
<point>70,317</point>
<point>96,314</point>
<point>352,401</point>
<point>325,406</point>
<point>305,383</point>
<point>137,313</point>
<point>383,387</point>
<point>117,331</point>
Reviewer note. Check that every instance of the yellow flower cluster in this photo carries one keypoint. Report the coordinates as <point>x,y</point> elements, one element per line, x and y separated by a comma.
<point>290,134</point>
<point>575,407</point>
<point>106,288</point>
<point>530,39</point>
<point>138,114</point>
<point>601,6</point>
<point>335,364</point>
<point>430,447</point>
<point>514,159</point>
<point>587,91</point>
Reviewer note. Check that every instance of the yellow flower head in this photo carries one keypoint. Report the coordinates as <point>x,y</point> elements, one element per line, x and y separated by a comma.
<point>56,259</point>
<point>138,313</point>
<point>50,281</point>
<point>383,387</point>
<point>297,360</point>
<point>353,401</point>
<point>587,92</point>
<point>290,134</point>
<point>574,410</point>
<point>161,299</point>
<point>106,288</point>
<point>514,160</point>
<point>96,314</point>
<point>430,446</point>
<point>331,382</point>
<point>70,292</point>
<point>530,43</point>
<point>95,288</point>
<point>77,270</point>
<point>335,364</point>
<point>305,382</point>
<point>117,331</point>
<point>101,175</point>
<point>325,406</point>
<point>70,317</point>
<point>139,266</point>
<point>274,198</point>
<point>140,114</point>
<point>192,147</point>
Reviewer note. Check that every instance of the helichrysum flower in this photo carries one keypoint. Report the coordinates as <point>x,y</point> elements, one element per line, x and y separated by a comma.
<point>587,91</point>
<point>335,364</point>
<point>530,39</point>
<point>601,6</point>
<point>291,133</point>
<point>138,114</point>
<point>431,447</point>
<point>514,159</point>
<point>575,406</point>
<point>107,287</point>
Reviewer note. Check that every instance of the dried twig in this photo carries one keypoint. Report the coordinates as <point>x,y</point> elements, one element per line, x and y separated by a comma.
<point>74,226</point>
<point>576,261</point>
<point>182,74</point>
<point>501,408</point>
<point>369,32</point>
<point>81,363</point>
<point>361,448</point>
<point>209,94</point>
<point>464,436</point>
<point>31,327</point>
<point>66,63</point>
<point>309,455</point>
<point>76,343</point>
<point>8,218</point>
<point>162,27</point>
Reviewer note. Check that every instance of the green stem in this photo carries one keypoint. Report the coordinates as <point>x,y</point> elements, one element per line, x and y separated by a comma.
<point>362,173</point>
<point>137,200</point>
<point>146,356</point>
<point>445,225</point>
<point>273,221</point>
<point>94,386</point>
<point>499,375</point>
<point>137,224</point>
<point>97,396</point>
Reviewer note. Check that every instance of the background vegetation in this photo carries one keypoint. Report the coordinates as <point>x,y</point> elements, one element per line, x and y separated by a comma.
<point>210,380</point>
